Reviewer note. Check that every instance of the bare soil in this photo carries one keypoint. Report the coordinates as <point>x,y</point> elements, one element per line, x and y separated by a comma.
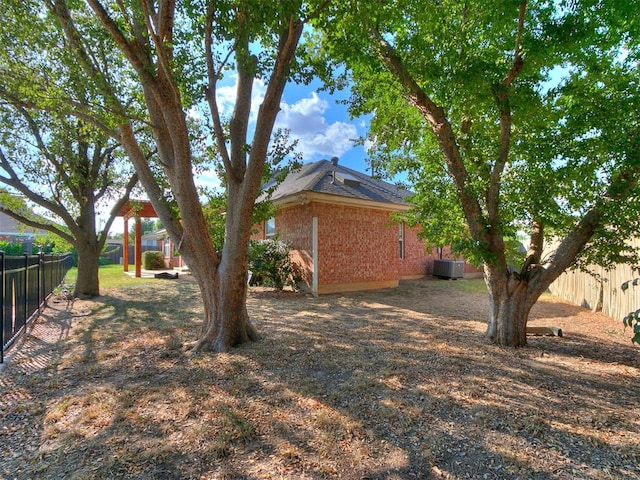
<point>391,384</point>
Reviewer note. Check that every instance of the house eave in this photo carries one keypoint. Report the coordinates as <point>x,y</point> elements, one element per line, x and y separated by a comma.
<point>304,198</point>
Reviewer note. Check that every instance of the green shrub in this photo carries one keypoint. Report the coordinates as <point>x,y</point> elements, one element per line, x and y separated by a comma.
<point>633,318</point>
<point>271,264</point>
<point>11,249</point>
<point>153,260</point>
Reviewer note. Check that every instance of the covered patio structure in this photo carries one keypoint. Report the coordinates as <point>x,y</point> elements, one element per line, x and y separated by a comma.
<point>136,209</point>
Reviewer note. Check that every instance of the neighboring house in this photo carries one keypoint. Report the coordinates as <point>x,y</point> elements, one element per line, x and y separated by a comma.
<point>339,223</point>
<point>172,258</point>
<point>15,232</point>
<point>150,239</point>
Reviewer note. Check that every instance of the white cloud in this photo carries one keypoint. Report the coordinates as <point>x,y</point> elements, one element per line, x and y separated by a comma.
<point>308,124</point>
<point>306,119</point>
<point>226,97</point>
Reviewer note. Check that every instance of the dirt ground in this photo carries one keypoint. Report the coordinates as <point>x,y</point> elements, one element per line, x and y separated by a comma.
<point>391,384</point>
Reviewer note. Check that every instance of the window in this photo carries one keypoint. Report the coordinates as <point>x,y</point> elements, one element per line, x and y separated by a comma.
<point>167,247</point>
<point>270,228</point>
<point>401,240</point>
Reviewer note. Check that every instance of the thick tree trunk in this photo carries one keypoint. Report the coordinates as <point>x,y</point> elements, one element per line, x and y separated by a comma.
<point>510,301</point>
<point>234,325</point>
<point>227,323</point>
<point>511,297</point>
<point>507,323</point>
<point>87,283</point>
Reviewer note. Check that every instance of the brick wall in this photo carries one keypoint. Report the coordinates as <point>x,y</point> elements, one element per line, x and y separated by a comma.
<point>417,259</point>
<point>258,231</point>
<point>358,247</point>
<point>294,226</point>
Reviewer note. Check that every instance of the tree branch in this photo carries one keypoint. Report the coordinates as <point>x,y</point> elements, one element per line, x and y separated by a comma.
<point>536,246</point>
<point>161,33</point>
<point>133,180</point>
<point>42,226</point>
<point>239,124</point>
<point>287,45</point>
<point>133,52</point>
<point>501,95</point>
<point>621,187</point>
<point>441,128</point>
<point>210,90</point>
<point>14,181</point>
<point>518,61</point>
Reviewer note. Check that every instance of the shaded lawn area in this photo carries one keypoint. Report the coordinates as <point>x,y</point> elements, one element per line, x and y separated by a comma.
<point>392,384</point>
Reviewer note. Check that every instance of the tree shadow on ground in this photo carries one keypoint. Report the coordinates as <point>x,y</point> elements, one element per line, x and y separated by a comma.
<point>347,386</point>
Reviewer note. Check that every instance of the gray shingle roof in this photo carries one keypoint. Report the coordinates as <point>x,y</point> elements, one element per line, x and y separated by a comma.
<point>319,177</point>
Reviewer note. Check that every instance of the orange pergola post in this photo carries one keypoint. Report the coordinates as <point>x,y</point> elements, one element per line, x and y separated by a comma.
<point>137,209</point>
<point>138,247</point>
<point>125,246</point>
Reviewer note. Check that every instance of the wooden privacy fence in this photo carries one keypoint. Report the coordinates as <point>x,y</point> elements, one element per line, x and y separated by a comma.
<point>25,284</point>
<point>602,290</point>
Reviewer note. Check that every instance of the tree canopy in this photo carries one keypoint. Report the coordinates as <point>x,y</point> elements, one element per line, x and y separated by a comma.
<point>154,70</point>
<point>510,117</point>
<point>63,168</point>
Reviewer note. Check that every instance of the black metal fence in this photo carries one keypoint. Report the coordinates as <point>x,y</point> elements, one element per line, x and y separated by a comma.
<point>25,284</point>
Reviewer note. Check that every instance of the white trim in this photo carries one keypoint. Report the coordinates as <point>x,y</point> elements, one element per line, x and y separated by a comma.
<point>304,198</point>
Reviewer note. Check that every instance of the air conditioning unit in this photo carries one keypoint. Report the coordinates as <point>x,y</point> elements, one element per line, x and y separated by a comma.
<point>448,268</point>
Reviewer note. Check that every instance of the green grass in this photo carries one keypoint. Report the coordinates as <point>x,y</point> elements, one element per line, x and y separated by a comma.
<point>113,276</point>
<point>71,276</point>
<point>472,285</point>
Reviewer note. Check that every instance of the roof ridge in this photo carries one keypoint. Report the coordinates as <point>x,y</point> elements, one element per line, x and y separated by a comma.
<point>315,177</point>
<point>371,179</point>
<point>319,175</point>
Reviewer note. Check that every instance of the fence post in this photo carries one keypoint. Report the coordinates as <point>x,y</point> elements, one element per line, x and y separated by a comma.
<point>41,294</point>
<point>2,307</point>
<point>26,289</point>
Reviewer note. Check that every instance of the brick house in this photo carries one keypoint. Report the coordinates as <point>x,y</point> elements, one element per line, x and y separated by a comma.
<point>172,259</point>
<point>339,223</point>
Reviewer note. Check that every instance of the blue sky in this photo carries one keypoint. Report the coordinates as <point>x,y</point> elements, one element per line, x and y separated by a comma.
<point>322,125</point>
<point>316,119</point>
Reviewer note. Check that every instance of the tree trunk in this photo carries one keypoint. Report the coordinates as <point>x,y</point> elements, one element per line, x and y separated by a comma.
<point>234,325</point>
<point>507,323</point>
<point>227,322</point>
<point>512,295</point>
<point>510,301</point>
<point>87,283</point>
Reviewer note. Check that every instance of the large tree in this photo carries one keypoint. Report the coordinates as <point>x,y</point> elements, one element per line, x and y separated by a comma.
<point>511,117</point>
<point>173,58</point>
<point>65,170</point>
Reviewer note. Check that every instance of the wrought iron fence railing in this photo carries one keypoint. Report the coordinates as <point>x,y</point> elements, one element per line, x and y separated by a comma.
<point>26,282</point>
